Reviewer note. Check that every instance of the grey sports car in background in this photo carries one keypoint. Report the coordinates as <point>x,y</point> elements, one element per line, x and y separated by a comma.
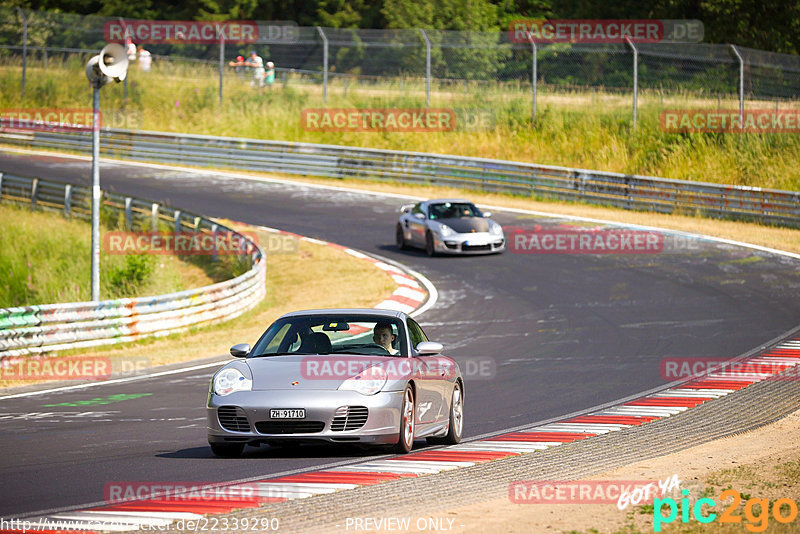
<point>449,226</point>
<point>360,376</point>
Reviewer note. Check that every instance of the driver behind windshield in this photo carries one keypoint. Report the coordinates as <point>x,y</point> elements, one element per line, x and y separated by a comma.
<point>382,335</point>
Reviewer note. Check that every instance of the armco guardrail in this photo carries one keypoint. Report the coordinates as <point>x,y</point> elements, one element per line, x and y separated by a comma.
<point>620,190</point>
<point>52,327</point>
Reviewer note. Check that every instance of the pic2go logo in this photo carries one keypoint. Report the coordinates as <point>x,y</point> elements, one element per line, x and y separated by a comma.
<point>757,520</point>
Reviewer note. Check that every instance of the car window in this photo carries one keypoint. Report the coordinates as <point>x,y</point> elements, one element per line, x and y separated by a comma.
<point>415,333</point>
<point>453,210</point>
<point>330,334</point>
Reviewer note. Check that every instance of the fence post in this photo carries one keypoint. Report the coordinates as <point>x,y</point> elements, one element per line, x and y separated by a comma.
<point>427,68</point>
<point>221,62</point>
<point>177,216</point>
<point>1,186</point>
<point>635,79</point>
<point>741,83</point>
<point>68,200</point>
<point>24,47</point>
<point>324,66</point>
<point>214,228</point>
<point>534,66</point>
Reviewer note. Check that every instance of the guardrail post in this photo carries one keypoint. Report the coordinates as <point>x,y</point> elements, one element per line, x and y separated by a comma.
<point>214,228</point>
<point>154,217</point>
<point>24,47</point>
<point>324,66</point>
<point>128,214</point>
<point>177,216</point>
<point>741,83</point>
<point>635,79</point>
<point>34,192</point>
<point>68,200</point>
<point>427,68</point>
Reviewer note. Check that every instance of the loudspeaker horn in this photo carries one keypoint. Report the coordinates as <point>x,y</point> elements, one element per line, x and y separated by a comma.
<point>113,61</point>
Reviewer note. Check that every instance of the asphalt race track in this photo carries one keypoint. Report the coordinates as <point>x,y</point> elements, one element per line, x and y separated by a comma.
<point>564,332</point>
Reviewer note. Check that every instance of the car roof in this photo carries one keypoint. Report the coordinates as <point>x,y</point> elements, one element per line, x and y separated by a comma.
<point>451,200</point>
<point>371,312</point>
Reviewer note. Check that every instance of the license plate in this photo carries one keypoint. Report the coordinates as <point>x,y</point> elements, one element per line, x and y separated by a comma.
<point>287,414</point>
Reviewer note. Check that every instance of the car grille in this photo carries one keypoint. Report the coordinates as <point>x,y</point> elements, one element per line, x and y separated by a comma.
<point>289,427</point>
<point>233,418</point>
<point>475,248</point>
<point>349,418</point>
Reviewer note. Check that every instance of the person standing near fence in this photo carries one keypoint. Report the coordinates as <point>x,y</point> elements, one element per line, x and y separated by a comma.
<point>145,59</point>
<point>257,64</point>
<point>270,74</point>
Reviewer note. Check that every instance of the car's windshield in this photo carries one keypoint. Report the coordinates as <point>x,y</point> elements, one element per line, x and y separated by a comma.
<point>333,334</point>
<point>453,210</point>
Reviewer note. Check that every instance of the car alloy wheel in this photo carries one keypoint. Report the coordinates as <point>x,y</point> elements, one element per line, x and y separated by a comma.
<point>406,435</point>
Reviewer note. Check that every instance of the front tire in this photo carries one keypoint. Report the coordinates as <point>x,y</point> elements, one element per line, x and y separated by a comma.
<point>429,248</point>
<point>456,425</point>
<point>405,440</point>
<point>227,450</point>
<point>400,238</point>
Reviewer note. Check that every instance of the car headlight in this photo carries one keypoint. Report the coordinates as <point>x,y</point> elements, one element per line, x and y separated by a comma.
<point>229,380</point>
<point>495,229</point>
<point>445,230</point>
<point>368,382</point>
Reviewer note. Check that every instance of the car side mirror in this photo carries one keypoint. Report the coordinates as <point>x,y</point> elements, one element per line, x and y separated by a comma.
<point>419,215</point>
<point>429,347</point>
<point>487,214</point>
<point>240,350</point>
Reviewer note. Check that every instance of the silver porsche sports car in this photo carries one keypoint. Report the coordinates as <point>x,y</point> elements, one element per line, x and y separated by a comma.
<point>360,376</point>
<point>449,226</point>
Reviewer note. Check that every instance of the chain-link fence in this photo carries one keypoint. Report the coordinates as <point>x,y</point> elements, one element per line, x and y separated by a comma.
<point>435,65</point>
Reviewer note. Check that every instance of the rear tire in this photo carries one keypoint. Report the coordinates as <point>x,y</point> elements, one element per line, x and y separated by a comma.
<point>405,441</point>
<point>400,238</point>
<point>456,425</point>
<point>227,450</point>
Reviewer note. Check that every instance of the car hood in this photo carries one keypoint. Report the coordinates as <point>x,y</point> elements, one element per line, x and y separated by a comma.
<point>466,225</point>
<point>308,372</point>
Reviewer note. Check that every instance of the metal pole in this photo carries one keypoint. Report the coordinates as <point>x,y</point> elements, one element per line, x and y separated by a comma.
<point>427,68</point>
<point>324,66</point>
<point>125,81</point>
<point>221,61</point>
<point>635,80</point>
<point>533,80</point>
<point>96,192</point>
<point>24,47</point>
<point>221,66</point>
<point>741,84</point>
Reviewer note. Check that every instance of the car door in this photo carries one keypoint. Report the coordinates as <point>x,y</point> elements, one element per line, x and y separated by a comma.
<point>432,380</point>
<point>415,223</point>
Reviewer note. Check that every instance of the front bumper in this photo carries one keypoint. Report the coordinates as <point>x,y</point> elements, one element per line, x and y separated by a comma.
<point>472,243</point>
<point>255,426</point>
